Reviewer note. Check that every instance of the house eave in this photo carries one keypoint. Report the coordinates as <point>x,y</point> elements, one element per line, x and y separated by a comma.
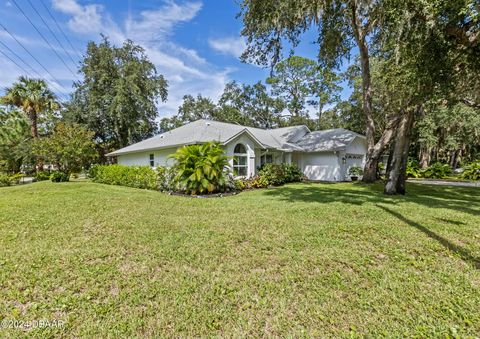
<point>116,153</point>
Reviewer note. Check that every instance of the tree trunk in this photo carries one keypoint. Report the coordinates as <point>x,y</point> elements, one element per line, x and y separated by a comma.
<point>397,175</point>
<point>434,156</point>
<point>454,158</point>
<point>424,157</point>
<point>390,159</point>
<point>374,154</point>
<point>371,161</point>
<point>32,116</point>
<point>320,112</point>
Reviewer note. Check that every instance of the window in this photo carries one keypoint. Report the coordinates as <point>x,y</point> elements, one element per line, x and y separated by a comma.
<point>266,159</point>
<point>240,161</point>
<point>152,160</point>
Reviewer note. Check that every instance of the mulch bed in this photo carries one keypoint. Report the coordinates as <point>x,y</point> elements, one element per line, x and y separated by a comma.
<point>213,195</point>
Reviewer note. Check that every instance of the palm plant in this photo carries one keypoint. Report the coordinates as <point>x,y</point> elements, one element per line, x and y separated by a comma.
<point>33,97</point>
<point>201,168</point>
<point>14,140</point>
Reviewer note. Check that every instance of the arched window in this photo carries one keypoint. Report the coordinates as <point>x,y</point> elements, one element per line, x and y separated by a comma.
<point>240,161</point>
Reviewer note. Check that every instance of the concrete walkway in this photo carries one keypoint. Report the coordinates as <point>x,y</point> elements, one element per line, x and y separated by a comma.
<point>445,183</point>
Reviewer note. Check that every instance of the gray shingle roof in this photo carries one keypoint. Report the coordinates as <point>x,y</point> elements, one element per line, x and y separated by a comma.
<point>327,140</point>
<point>294,138</point>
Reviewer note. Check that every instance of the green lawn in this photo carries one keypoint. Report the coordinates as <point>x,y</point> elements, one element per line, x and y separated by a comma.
<point>300,260</point>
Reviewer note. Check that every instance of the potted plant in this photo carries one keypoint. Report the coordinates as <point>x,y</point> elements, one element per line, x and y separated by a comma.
<point>355,172</point>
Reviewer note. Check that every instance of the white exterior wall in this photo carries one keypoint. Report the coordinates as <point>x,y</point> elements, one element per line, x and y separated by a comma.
<point>143,158</point>
<point>354,155</point>
<point>324,166</point>
<point>357,146</point>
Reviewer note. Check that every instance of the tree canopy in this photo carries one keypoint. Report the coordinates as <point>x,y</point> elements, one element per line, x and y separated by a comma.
<point>118,95</point>
<point>70,147</point>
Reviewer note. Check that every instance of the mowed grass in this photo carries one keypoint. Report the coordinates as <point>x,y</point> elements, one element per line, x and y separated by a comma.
<point>300,260</point>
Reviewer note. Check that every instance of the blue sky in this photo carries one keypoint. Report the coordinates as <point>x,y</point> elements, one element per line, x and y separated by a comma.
<point>194,44</point>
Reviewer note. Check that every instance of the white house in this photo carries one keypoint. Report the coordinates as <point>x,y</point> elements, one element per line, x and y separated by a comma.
<point>322,155</point>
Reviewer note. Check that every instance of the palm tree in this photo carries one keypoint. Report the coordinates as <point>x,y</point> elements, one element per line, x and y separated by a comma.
<point>201,168</point>
<point>32,96</point>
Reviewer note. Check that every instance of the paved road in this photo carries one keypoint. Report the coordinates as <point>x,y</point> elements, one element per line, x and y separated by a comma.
<point>446,183</point>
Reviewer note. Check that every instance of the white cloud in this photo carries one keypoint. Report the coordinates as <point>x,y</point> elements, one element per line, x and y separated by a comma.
<point>233,46</point>
<point>157,25</point>
<point>85,19</point>
<point>186,71</point>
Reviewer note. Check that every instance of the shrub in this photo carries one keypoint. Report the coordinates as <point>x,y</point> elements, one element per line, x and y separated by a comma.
<point>201,168</point>
<point>253,182</point>
<point>42,176</point>
<point>437,171</point>
<point>166,179</point>
<point>5,180</point>
<point>240,184</point>
<point>15,178</point>
<point>258,181</point>
<point>272,174</point>
<point>92,171</point>
<point>413,170</point>
<point>58,176</point>
<point>292,173</point>
<point>471,171</point>
<point>355,171</point>
<point>137,177</point>
<point>380,169</point>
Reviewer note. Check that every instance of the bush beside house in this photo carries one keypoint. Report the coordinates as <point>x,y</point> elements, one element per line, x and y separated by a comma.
<point>201,169</point>
<point>137,177</point>
<point>168,179</point>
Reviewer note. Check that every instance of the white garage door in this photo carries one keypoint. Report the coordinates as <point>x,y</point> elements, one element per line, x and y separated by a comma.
<point>321,172</point>
<point>319,166</point>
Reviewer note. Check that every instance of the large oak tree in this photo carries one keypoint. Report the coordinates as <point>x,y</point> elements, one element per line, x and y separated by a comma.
<point>118,95</point>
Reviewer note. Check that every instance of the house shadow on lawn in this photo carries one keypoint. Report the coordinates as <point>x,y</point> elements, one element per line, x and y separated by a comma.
<point>460,199</point>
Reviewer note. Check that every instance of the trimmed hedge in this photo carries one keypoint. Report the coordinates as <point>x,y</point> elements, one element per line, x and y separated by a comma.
<point>163,179</point>
<point>137,177</point>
